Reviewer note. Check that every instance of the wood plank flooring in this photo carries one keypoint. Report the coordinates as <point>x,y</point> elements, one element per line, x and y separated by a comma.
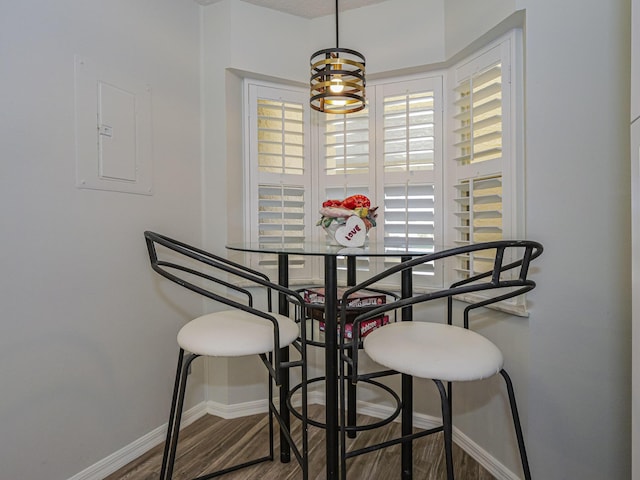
<point>211,443</point>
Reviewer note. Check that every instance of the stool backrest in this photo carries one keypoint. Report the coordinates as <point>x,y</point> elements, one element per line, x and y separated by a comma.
<point>179,268</point>
<point>183,264</point>
<point>508,278</point>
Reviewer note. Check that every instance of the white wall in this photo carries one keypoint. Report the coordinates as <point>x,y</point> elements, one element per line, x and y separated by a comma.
<point>571,361</point>
<point>87,332</point>
<point>466,21</point>
<point>392,35</point>
<point>578,199</point>
<point>87,336</point>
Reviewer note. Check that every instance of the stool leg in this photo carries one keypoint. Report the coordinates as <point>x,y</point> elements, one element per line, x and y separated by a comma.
<point>177,403</point>
<point>516,424</point>
<point>305,409</point>
<point>343,420</point>
<point>167,443</point>
<point>352,401</point>
<point>447,428</point>
<point>271,429</point>
<point>175,416</point>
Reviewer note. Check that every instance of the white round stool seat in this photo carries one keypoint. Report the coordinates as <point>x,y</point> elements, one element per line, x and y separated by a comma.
<point>434,350</point>
<point>234,333</point>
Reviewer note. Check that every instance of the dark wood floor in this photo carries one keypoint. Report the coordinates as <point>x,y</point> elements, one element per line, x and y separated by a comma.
<point>211,442</point>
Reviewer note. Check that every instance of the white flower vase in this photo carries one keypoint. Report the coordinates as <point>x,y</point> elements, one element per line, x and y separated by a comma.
<point>352,233</point>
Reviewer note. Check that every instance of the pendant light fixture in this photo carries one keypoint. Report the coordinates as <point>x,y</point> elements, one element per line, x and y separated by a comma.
<point>337,79</point>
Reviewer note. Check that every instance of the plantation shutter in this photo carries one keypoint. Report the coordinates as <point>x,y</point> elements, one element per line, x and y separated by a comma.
<point>346,167</point>
<point>479,214</point>
<point>398,167</point>
<point>280,177</point>
<point>485,196</point>
<point>479,116</point>
<point>409,131</point>
<point>409,221</point>
<point>280,137</point>
<point>479,208</point>
<point>345,144</point>
<point>281,220</point>
<point>411,169</point>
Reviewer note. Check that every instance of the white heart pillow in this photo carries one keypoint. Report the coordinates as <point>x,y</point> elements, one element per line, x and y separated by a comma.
<point>353,233</point>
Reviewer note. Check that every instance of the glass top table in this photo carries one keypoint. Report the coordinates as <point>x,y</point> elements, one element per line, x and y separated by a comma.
<point>330,253</point>
<point>324,249</point>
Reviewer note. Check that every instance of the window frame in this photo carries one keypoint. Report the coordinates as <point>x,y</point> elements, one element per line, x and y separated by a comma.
<point>433,81</point>
<point>511,168</point>
<point>377,92</point>
<point>509,49</point>
<point>254,90</point>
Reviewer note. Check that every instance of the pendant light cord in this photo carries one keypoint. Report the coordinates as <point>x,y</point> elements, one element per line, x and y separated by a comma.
<point>337,44</point>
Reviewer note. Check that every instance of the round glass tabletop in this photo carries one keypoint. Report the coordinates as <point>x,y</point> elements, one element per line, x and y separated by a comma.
<point>324,249</point>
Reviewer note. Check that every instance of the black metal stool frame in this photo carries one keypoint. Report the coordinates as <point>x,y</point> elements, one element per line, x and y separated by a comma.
<point>275,366</point>
<point>486,281</point>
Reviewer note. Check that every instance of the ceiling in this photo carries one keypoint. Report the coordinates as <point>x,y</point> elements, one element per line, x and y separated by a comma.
<point>305,8</point>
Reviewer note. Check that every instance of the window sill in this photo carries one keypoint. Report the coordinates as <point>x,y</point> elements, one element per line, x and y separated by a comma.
<point>518,309</point>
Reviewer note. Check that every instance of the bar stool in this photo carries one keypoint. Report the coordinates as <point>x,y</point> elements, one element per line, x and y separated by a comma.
<point>240,329</point>
<point>443,352</point>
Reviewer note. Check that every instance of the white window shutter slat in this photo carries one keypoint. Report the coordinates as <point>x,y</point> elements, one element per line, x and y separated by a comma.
<point>280,137</point>
<point>281,219</point>
<point>409,142</point>
<point>479,116</point>
<point>480,219</point>
<point>346,143</point>
<point>409,221</point>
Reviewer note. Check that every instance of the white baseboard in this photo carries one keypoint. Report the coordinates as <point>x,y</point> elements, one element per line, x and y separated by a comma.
<point>236,410</point>
<point>493,466</point>
<point>125,455</point>
<point>425,422</point>
<point>137,448</point>
<point>245,409</point>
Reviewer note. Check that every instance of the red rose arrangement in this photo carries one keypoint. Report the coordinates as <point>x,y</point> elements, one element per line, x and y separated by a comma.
<point>336,212</point>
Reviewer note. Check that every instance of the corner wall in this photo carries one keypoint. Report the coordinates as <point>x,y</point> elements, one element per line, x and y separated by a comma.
<point>576,368</point>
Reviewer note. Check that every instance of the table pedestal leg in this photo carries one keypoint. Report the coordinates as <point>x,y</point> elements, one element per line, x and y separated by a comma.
<point>283,309</point>
<point>331,365</point>
<point>351,388</point>
<point>407,384</point>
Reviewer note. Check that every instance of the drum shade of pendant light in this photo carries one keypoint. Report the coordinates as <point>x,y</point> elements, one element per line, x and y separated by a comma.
<point>337,79</point>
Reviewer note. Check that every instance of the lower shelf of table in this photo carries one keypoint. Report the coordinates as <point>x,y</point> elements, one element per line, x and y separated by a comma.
<point>297,412</point>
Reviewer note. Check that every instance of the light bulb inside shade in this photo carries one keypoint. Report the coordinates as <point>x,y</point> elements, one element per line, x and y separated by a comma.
<point>336,85</point>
